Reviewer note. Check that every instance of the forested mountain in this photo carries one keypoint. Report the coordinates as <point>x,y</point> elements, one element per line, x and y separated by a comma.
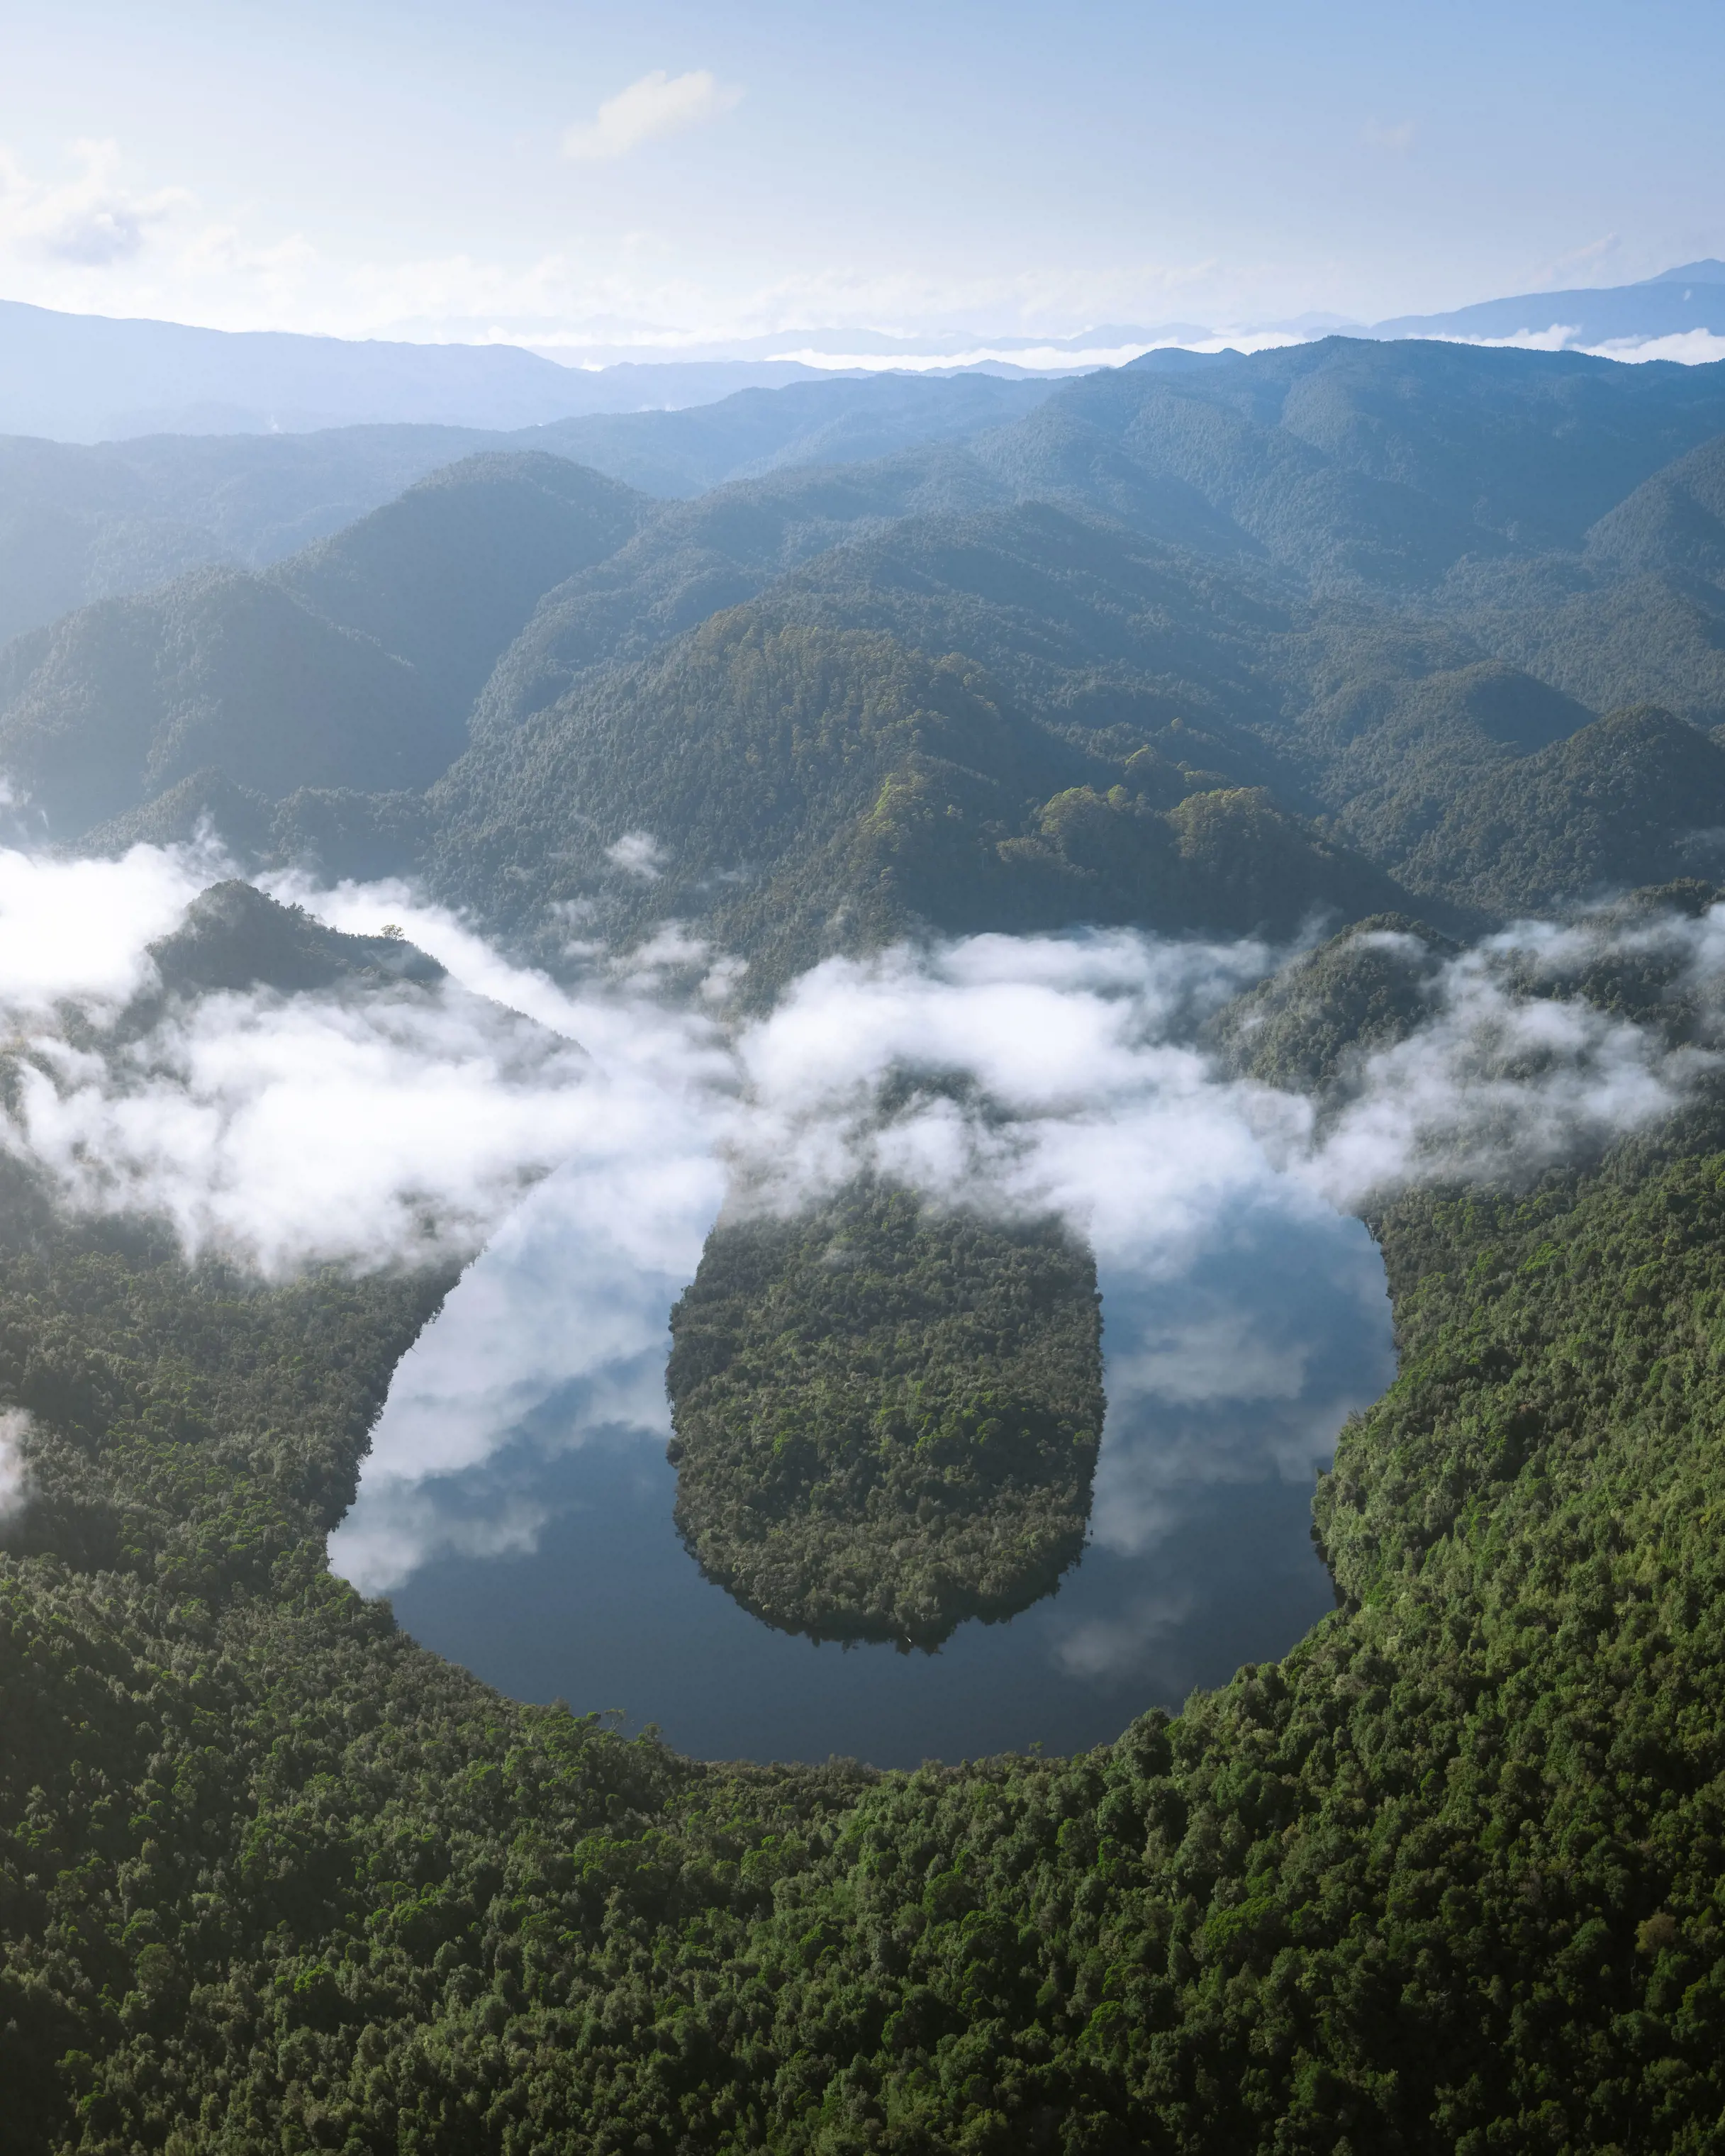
<point>1385,463</point>
<point>80,522</point>
<point>352,664</point>
<point>1378,585</point>
<point>445,577</point>
<point>691,562</point>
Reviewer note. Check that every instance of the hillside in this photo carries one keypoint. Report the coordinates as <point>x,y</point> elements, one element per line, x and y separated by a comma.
<point>83,523</point>
<point>789,790</point>
<point>351,665</point>
<point>445,577</point>
<point>1672,524</point>
<point>1638,797</point>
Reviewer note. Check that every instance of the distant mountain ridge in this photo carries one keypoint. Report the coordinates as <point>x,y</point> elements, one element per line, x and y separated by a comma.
<point>1674,303</point>
<point>99,378</point>
<point>91,377</point>
<point>81,521</point>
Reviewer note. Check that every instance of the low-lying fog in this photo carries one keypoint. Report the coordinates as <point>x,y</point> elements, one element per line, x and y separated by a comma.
<point>516,1500</point>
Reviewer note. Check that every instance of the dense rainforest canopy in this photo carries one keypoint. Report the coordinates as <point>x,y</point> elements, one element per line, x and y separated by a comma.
<point>887,1415</point>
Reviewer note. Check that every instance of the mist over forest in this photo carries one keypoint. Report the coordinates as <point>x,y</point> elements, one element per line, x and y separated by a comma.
<point>980,972</point>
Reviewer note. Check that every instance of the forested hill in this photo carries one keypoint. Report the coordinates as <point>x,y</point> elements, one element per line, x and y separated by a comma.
<point>832,789</point>
<point>352,664</point>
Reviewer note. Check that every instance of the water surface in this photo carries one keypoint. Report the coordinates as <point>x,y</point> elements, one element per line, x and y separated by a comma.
<point>519,1481</point>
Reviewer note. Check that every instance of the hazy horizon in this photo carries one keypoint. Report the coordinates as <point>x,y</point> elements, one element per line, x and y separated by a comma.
<point>670,183</point>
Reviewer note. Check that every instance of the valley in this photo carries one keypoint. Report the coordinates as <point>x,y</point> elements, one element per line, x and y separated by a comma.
<point>779,1053</point>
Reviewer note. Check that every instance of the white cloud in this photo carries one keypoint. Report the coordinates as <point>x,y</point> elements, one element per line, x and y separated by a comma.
<point>657,106</point>
<point>79,928</point>
<point>1027,1074</point>
<point>1379,134</point>
<point>1556,336</point>
<point>14,1475</point>
<point>91,221</point>
<point>1687,347</point>
<point>638,854</point>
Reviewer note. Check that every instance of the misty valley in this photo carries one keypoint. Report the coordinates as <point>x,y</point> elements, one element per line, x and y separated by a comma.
<point>1230,1380</point>
<point>862,1282</point>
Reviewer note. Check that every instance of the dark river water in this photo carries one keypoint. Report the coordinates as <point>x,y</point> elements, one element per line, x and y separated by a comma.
<point>518,1505</point>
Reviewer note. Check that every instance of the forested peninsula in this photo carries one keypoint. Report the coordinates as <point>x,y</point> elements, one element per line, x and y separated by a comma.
<point>887,1415</point>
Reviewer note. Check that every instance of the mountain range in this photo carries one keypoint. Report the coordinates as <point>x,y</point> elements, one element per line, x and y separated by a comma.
<point>97,378</point>
<point>1675,302</point>
<point>1347,627</point>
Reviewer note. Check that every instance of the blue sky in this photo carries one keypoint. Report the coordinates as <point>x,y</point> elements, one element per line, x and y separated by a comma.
<point>581,175</point>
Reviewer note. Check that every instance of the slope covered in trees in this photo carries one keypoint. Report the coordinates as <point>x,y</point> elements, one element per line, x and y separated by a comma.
<point>1384,582</point>
<point>886,1417</point>
<point>353,664</point>
<point>793,790</point>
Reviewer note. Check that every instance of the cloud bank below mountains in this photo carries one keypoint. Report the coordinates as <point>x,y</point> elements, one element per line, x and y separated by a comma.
<point>592,1131</point>
<point>1245,1312</point>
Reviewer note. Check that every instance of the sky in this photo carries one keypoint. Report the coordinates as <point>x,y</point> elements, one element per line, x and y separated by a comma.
<point>668,177</point>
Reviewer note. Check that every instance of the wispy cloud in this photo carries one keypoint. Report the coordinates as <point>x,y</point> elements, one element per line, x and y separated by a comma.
<point>638,854</point>
<point>1381,134</point>
<point>1581,264</point>
<point>90,221</point>
<point>657,106</point>
<point>14,1474</point>
<point>1687,347</point>
<point>1021,1074</point>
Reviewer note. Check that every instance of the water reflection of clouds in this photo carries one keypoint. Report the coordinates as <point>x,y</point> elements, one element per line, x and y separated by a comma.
<point>520,1490</point>
<point>1122,1644</point>
<point>1243,1365</point>
<point>555,1335</point>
